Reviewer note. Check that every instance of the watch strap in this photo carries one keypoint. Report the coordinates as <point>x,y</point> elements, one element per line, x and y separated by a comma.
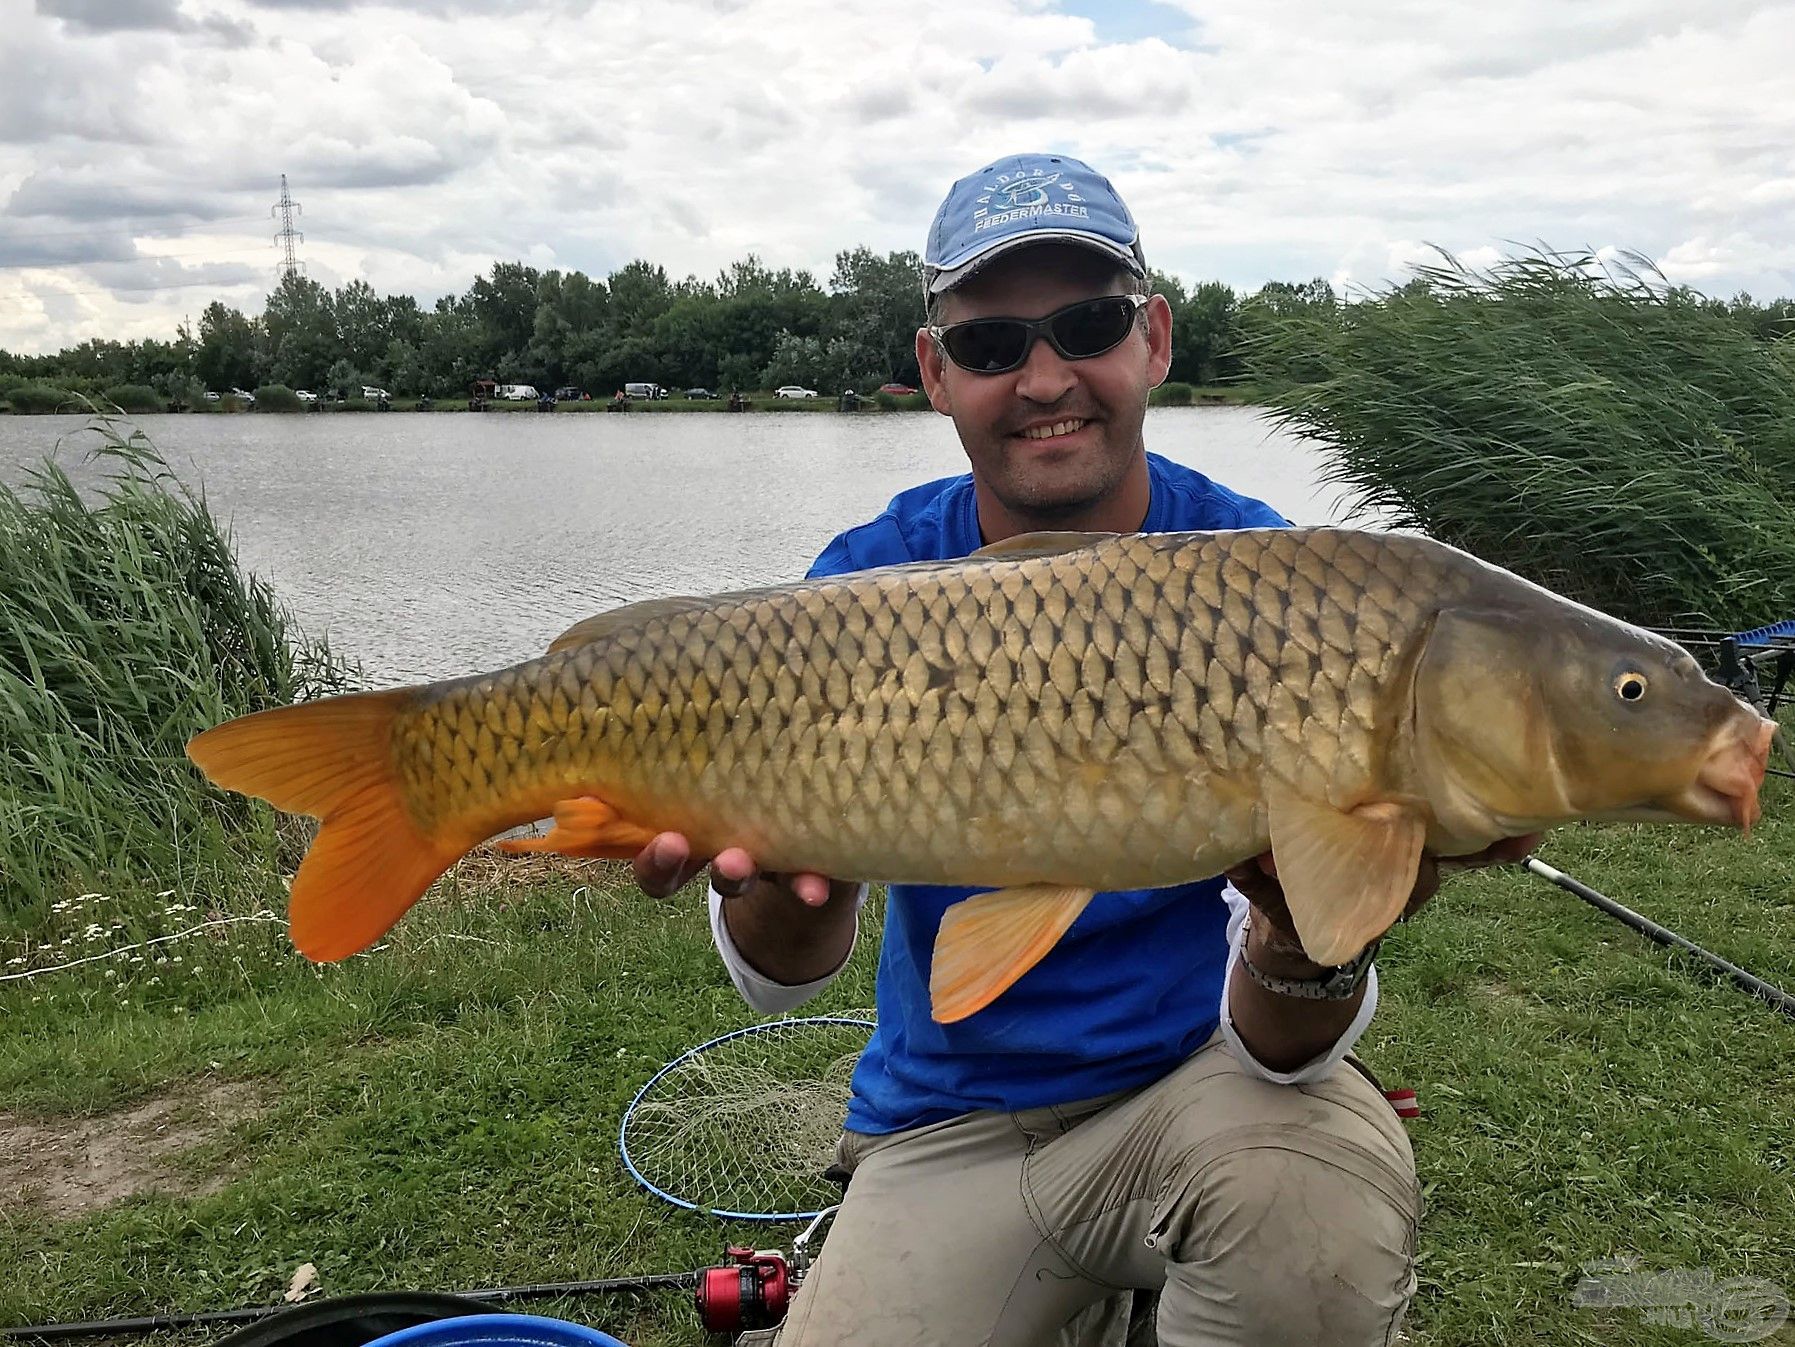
<point>1335,984</point>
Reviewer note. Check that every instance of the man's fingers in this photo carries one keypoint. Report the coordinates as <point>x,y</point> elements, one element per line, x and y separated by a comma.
<point>812,889</point>
<point>733,872</point>
<point>665,865</point>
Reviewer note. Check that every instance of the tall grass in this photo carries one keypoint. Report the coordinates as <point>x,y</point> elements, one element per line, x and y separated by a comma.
<point>126,626</point>
<point>1579,422</point>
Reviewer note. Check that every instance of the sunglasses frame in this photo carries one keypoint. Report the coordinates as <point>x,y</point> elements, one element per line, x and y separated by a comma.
<point>1041,328</point>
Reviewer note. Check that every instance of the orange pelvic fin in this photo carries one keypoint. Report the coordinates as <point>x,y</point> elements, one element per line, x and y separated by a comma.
<point>589,828</point>
<point>986,942</point>
<point>1346,875</point>
<point>333,759</point>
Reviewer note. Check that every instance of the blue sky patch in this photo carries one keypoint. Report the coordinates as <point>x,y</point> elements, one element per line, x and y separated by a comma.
<point>1133,20</point>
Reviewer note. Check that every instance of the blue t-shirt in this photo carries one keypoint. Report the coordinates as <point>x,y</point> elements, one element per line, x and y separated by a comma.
<point>1130,990</point>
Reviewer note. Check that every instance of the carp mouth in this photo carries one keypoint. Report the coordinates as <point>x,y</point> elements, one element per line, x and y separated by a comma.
<point>1725,790</point>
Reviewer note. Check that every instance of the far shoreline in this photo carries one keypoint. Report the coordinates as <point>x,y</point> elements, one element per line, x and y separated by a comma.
<point>1169,395</point>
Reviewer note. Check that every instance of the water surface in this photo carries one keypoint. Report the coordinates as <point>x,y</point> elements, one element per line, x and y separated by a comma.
<point>433,545</point>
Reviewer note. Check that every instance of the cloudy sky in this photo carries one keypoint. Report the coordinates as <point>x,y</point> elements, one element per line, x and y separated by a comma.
<point>142,141</point>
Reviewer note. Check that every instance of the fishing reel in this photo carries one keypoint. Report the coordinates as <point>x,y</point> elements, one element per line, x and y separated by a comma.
<point>754,1288</point>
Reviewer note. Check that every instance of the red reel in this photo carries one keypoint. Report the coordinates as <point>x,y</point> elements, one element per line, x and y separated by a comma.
<point>751,1291</point>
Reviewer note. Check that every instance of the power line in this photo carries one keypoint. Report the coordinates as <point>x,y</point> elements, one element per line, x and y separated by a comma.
<point>289,266</point>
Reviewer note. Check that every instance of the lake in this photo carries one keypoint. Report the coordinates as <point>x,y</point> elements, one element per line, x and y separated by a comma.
<point>433,545</point>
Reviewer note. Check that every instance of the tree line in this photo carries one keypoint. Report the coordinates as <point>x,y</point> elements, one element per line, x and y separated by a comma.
<point>752,327</point>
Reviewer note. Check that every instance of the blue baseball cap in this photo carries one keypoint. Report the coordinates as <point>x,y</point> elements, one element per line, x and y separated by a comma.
<point>1023,199</point>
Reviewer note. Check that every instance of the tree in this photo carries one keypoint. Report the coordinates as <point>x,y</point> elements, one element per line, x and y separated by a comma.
<point>879,307</point>
<point>227,352</point>
<point>504,306</point>
<point>300,331</point>
<point>1206,334</point>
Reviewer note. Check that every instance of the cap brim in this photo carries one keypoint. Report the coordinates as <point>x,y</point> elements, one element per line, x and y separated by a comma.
<point>947,278</point>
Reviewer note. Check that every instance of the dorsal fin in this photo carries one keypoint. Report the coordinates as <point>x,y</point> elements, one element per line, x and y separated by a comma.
<point>630,615</point>
<point>1041,544</point>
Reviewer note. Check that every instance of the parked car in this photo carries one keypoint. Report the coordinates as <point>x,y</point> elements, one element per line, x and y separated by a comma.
<point>641,390</point>
<point>793,391</point>
<point>246,398</point>
<point>519,393</point>
<point>899,390</point>
<point>700,394</point>
<point>568,393</point>
<point>373,394</point>
<point>211,396</point>
<point>305,395</point>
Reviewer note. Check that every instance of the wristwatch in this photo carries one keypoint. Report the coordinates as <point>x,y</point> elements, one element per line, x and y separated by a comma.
<point>1335,984</point>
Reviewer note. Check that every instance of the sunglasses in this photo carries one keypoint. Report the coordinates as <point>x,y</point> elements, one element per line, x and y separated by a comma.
<point>1077,332</point>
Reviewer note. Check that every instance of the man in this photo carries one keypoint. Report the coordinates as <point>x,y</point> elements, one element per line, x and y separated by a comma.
<point>1163,1102</point>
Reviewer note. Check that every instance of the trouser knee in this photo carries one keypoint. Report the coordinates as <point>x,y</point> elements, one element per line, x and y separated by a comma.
<point>1271,1245</point>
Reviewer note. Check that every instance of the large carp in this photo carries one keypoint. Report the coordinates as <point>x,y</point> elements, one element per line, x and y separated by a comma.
<point>1054,716</point>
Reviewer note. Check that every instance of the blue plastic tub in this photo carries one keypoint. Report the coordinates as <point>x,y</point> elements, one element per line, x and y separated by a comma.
<point>498,1330</point>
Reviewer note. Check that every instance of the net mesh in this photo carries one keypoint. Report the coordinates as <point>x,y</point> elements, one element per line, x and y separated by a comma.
<point>746,1124</point>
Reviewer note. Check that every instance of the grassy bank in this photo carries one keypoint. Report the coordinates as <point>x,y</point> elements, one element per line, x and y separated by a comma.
<point>125,626</point>
<point>442,1112</point>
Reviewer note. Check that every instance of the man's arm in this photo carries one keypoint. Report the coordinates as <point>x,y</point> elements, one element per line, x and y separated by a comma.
<point>1288,1035</point>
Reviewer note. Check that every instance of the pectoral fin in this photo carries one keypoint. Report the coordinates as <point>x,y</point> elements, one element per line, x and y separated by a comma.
<point>986,942</point>
<point>1346,876</point>
<point>588,828</point>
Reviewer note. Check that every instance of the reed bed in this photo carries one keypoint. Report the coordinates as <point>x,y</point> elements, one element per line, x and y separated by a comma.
<point>126,626</point>
<point>1577,421</point>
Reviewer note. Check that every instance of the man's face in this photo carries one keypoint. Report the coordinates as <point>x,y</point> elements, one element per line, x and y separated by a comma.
<point>1056,437</point>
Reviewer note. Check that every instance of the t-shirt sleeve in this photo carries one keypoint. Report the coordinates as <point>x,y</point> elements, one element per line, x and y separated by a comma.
<point>835,559</point>
<point>880,542</point>
<point>1256,514</point>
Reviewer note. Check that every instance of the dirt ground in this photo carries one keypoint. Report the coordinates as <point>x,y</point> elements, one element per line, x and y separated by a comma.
<point>67,1167</point>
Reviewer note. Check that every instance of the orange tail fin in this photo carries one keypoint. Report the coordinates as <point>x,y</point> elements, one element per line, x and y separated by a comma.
<point>333,759</point>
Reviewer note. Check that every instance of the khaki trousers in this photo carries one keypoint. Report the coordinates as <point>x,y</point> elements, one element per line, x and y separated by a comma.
<point>1262,1214</point>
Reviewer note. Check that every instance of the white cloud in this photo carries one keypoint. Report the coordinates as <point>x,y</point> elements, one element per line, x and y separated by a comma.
<point>1254,139</point>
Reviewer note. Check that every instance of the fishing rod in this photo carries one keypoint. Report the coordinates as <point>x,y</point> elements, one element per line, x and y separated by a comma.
<point>1774,996</point>
<point>750,1290</point>
<point>99,1328</point>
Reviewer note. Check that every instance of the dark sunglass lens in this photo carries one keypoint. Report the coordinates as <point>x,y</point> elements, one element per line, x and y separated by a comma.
<point>987,345</point>
<point>1093,328</point>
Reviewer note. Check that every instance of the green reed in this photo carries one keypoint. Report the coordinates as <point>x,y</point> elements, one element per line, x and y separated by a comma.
<point>1574,420</point>
<point>126,626</point>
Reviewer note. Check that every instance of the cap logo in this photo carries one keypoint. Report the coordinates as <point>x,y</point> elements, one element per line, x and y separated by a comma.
<point>1026,195</point>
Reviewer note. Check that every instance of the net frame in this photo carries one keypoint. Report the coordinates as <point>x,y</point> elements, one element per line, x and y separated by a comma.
<point>640,1117</point>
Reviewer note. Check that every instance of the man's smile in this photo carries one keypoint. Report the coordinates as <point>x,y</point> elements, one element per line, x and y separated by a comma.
<point>1053,430</point>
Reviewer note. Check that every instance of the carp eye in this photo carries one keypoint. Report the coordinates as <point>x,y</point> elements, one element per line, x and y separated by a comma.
<point>1630,687</point>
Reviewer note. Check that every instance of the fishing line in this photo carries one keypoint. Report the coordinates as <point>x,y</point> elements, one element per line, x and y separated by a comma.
<point>1774,996</point>
<point>142,944</point>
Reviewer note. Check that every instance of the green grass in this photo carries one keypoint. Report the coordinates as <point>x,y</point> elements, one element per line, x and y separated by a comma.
<point>441,1113</point>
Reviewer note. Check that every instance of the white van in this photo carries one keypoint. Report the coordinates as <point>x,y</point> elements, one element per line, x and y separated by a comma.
<point>518,393</point>
<point>641,390</point>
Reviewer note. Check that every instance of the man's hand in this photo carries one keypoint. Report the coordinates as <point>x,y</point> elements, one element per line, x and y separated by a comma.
<point>1257,879</point>
<point>785,926</point>
<point>666,865</point>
